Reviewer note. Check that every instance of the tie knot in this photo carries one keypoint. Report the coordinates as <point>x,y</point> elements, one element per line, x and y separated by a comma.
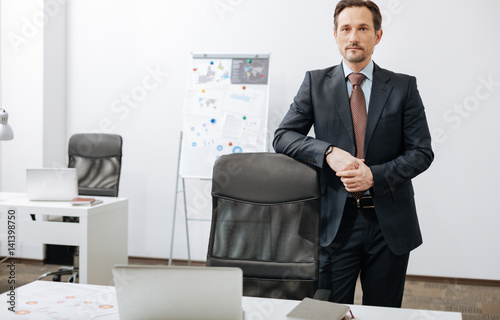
<point>356,78</point>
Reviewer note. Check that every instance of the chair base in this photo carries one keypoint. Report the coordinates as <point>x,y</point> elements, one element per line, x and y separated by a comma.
<point>56,275</point>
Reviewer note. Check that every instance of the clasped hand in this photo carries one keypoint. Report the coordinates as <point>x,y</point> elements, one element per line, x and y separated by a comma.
<point>353,172</point>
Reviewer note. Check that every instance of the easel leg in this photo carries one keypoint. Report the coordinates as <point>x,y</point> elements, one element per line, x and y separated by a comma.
<point>175,200</point>
<point>186,220</point>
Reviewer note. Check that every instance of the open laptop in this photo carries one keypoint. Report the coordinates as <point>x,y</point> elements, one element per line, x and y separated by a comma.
<point>161,292</point>
<point>51,184</point>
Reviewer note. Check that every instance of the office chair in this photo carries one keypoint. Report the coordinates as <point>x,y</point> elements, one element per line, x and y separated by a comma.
<point>97,159</point>
<point>265,220</point>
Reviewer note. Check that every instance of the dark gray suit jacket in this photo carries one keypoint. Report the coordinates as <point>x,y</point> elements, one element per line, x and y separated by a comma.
<point>397,147</point>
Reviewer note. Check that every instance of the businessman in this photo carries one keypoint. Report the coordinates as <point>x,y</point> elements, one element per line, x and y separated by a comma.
<point>371,139</point>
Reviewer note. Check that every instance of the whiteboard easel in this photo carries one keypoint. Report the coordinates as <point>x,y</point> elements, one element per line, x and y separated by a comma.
<point>226,111</point>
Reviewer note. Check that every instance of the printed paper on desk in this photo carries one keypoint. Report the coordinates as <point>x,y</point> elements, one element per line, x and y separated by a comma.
<point>67,302</point>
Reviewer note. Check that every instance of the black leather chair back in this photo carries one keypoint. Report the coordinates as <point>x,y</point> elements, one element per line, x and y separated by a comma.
<point>97,159</point>
<point>265,221</point>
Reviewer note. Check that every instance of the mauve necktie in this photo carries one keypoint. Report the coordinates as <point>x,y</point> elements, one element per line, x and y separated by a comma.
<point>358,112</point>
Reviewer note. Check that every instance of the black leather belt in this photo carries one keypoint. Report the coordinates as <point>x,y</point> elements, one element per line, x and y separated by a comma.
<point>365,202</point>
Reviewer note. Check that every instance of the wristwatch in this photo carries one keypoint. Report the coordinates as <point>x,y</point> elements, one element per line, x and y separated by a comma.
<point>330,148</point>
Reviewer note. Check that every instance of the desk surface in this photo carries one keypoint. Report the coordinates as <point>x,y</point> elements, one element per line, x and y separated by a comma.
<point>19,200</point>
<point>53,300</point>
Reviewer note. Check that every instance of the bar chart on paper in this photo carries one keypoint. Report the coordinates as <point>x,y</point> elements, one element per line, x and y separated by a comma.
<point>225,110</point>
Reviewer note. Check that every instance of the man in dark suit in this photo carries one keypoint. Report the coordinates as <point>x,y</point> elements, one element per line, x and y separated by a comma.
<point>371,236</point>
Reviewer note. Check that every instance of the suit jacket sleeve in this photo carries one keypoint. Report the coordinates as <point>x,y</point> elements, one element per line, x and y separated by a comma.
<point>416,153</point>
<point>291,136</point>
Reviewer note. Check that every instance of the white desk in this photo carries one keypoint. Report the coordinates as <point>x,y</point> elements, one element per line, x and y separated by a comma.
<point>101,234</point>
<point>78,301</point>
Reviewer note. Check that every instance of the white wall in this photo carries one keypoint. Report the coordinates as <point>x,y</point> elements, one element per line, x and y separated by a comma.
<point>127,63</point>
<point>32,90</point>
<point>22,92</point>
<point>459,81</point>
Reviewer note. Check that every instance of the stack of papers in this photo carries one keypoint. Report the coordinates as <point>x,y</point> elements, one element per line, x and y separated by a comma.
<point>85,201</point>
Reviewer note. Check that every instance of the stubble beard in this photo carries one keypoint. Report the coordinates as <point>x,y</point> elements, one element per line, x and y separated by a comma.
<point>356,59</point>
<point>352,58</point>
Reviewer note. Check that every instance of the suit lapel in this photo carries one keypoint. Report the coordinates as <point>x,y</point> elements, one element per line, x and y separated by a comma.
<point>379,95</point>
<point>338,89</point>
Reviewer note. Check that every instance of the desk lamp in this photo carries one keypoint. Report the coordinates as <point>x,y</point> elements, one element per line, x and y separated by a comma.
<point>5,130</point>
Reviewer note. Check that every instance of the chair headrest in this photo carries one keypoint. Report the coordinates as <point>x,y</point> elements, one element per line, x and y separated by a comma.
<point>95,145</point>
<point>264,178</point>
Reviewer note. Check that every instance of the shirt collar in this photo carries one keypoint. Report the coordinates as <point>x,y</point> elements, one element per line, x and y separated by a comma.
<point>367,71</point>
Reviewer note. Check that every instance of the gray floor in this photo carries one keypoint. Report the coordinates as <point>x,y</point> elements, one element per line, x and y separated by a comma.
<point>475,302</point>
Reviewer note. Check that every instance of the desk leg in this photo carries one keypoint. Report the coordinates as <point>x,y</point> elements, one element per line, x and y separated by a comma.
<point>107,245</point>
<point>83,259</point>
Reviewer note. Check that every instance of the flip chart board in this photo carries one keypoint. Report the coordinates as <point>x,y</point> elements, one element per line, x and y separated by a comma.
<point>225,110</point>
